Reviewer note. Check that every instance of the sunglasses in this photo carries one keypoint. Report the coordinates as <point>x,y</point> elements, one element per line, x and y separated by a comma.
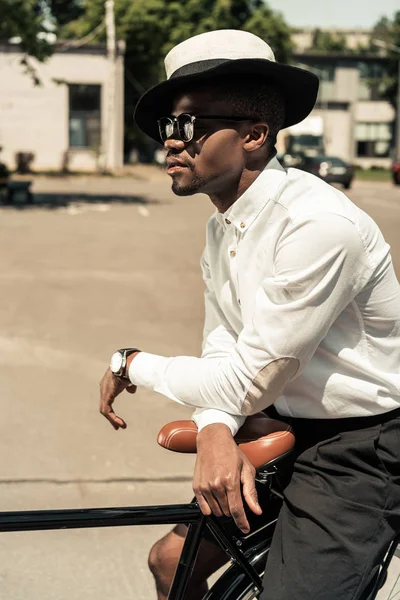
<point>184,124</point>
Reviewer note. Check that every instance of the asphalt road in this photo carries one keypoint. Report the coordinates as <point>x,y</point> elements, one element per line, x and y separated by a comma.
<point>97,264</point>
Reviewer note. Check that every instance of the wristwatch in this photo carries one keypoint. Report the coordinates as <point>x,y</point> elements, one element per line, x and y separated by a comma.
<point>118,361</point>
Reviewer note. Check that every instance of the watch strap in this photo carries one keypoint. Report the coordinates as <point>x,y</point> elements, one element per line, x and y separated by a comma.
<point>125,352</point>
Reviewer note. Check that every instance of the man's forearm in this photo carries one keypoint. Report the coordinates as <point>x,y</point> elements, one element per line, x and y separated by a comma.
<point>214,431</point>
<point>207,416</point>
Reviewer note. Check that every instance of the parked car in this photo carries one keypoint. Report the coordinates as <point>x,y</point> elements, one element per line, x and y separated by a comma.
<point>329,168</point>
<point>396,173</point>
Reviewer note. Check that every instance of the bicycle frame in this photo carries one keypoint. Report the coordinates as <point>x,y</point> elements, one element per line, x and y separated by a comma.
<point>173,514</point>
<point>238,549</point>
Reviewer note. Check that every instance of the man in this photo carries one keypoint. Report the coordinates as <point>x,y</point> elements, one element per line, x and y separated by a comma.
<point>302,313</point>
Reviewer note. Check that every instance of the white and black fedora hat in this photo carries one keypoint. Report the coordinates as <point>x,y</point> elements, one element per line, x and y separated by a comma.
<point>223,52</point>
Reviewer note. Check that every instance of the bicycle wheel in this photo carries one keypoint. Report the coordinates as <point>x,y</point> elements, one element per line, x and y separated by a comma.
<point>234,584</point>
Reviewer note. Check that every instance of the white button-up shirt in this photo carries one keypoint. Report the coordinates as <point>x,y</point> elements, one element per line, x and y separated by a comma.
<point>302,310</point>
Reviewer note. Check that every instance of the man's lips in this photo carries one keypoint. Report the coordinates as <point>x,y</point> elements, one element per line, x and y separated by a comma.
<point>175,165</point>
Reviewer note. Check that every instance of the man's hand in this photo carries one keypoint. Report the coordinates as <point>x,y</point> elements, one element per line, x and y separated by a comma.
<point>110,388</point>
<point>221,471</point>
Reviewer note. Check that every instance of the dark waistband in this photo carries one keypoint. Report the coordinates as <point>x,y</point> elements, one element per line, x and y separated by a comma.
<point>335,425</point>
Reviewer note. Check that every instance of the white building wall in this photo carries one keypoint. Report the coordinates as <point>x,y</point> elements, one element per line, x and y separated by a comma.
<point>35,118</point>
<point>337,138</point>
<point>337,133</point>
<point>374,112</point>
<point>340,137</point>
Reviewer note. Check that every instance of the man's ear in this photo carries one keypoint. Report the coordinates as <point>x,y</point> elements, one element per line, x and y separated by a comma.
<point>256,138</point>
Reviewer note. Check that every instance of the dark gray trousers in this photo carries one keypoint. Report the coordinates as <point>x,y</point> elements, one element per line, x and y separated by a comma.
<point>341,510</point>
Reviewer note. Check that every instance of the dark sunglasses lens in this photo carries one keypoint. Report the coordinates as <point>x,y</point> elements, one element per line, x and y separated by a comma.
<point>185,127</point>
<point>166,128</point>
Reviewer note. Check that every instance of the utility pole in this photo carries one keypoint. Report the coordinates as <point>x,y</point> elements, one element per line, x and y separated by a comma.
<point>110,129</point>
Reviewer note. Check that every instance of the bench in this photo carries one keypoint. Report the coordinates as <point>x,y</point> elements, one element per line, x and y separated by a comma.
<point>12,192</point>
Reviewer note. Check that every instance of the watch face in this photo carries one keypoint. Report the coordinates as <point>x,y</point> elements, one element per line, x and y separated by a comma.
<point>116,362</point>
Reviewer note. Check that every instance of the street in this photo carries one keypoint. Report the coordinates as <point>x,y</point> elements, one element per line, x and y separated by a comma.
<point>97,264</point>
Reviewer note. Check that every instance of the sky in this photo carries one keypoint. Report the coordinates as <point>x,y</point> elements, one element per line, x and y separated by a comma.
<point>334,13</point>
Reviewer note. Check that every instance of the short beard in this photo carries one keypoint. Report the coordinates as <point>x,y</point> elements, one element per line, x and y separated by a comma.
<point>194,187</point>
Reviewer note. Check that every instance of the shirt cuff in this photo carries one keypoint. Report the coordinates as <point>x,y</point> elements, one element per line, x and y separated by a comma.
<point>203,417</point>
<point>145,370</point>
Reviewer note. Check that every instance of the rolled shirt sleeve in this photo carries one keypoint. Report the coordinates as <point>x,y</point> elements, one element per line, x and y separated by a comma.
<point>320,266</point>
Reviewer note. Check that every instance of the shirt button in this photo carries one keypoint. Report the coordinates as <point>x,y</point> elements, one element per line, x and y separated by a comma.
<point>242,225</point>
<point>232,253</point>
<point>227,221</point>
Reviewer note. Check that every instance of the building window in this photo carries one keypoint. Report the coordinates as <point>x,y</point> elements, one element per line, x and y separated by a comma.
<point>372,75</point>
<point>373,139</point>
<point>325,71</point>
<point>84,116</point>
<point>326,74</point>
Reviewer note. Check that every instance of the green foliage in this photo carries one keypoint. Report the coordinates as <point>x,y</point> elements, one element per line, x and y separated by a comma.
<point>372,174</point>
<point>388,30</point>
<point>272,28</point>
<point>151,28</point>
<point>65,11</point>
<point>25,19</point>
<point>324,41</point>
<point>32,20</point>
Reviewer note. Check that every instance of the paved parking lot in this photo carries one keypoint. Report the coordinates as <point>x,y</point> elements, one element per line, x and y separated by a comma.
<point>97,264</point>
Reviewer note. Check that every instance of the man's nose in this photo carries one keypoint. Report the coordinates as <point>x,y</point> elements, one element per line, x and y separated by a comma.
<point>173,143</point>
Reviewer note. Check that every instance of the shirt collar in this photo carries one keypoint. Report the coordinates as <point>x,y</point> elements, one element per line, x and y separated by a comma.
<point>248,206</point>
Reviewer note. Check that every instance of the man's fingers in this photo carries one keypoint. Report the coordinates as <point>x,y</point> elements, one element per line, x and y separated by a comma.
<point>110,388</point>
<point>218,494</point>
<point>115,421</point>
<point>204,507</point>
<point>110,418</point>
<point>236,509</point>
<point>249,490</point>
<point>207,497</point>
<point>110,415</point>
<point>120,423</point>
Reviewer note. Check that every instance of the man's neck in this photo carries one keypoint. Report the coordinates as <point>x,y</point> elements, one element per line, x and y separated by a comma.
<point>224,199</point>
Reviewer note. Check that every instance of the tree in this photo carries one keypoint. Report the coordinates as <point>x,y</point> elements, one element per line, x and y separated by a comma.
<point>388,30</point>
<point>32,20</point>
<point>325,41</point>
<point>26,20</point>
<point>272,28</point>
<point>65,11</point>
<point>151,28</point>
<point>32,23</point>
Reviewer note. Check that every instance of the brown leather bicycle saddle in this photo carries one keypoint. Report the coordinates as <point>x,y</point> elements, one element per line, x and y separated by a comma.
<point>260,438</point>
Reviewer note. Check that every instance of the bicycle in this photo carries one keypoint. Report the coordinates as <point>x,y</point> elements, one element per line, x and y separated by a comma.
<point>267,443</point>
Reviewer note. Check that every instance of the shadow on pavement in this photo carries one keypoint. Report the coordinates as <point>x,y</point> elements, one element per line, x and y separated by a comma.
<point>61,200</point>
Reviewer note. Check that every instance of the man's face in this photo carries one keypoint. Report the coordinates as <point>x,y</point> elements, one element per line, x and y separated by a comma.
<point>213,161</point>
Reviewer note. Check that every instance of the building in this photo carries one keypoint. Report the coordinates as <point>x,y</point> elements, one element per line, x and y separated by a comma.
<point>355,38</point>
<point>358,122</point>
<point>72,120</point>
